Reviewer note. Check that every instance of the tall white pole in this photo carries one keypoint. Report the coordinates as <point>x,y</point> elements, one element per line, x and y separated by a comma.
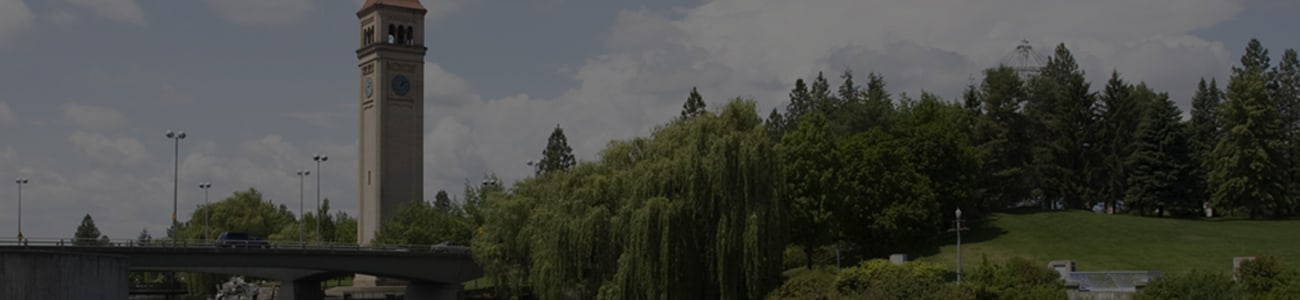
<point>207,210</point>
<point>207,214</point>
<point>318,158</point>
<point>958,246</point>
<point>302,217</point>
<point>176,137</point>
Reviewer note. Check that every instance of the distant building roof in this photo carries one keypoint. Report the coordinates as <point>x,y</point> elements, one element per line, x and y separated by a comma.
<point>412,4</point>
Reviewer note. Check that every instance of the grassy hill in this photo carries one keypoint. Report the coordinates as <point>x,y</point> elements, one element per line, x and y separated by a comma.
<point>1119,242</point>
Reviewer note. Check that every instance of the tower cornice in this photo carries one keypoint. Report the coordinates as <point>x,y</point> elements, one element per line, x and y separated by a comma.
<point>389,48</point>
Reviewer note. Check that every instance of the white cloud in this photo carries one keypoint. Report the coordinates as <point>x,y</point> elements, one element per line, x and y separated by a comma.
<point>262,12</point>
<point>14,19</point>
<point>116,10</point>
<point>757,48</point>
<point>323,119</point>
<point>7,116</point>
<point>269,164</point>
<point>158,86</point>
<point>451,155</point>
<point>89,117</point>
<point>442,88</point>
<point>123,151</point>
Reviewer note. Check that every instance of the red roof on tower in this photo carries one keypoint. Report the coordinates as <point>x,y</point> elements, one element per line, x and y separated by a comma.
<point>412,4</point>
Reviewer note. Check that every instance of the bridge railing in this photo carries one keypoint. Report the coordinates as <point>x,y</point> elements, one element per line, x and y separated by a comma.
<point>212,245</point>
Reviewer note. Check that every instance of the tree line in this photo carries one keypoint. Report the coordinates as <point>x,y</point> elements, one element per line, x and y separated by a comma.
<point>709,203</point>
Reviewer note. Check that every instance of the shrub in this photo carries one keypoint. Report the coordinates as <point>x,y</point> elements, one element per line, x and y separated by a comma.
<point>881,279</point>
<point>1288,289</point>
<point>815,284</point>
<point>1194,285</point>
<point>1260,275</point>
<point>1016,279</point>
<point>794,257</point>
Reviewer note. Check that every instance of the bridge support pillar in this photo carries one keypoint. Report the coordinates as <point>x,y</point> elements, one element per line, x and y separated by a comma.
<point>303,289</point>
<point>416,290</point>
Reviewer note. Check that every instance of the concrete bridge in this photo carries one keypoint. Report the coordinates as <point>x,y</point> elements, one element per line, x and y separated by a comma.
<point>432,271</point>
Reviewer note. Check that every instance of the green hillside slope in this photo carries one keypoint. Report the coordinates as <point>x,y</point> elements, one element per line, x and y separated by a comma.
<point>1120,242</point>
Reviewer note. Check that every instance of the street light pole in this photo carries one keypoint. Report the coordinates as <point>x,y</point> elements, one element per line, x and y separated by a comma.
<point>21,182</point>
<point>175,136</point>
<point>301,216</point>
<point>207,209</point>
<point>959,229</point>
<point>319,159</point>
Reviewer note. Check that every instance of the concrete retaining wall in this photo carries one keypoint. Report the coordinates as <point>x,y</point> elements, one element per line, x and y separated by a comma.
<point>57,276</point>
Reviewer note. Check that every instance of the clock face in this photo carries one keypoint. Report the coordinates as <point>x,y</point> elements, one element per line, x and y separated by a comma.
<point>370,87</point>
<point>401,85</point>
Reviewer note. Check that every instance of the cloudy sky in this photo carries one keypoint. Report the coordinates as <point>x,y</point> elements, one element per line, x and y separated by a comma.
<point>88,87</point>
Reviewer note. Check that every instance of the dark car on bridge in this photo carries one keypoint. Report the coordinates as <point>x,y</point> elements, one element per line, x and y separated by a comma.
<point>232,239</point>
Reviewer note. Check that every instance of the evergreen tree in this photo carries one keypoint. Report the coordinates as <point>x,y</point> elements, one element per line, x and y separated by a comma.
<point>87,234</point>
<point>822,99</point>
<point>557,156</point>
<point>801,103</point>
<point>877,105</point>
<point>1002,140</point>
<point>875,92</point>
<point>971,100</point>
<point>849,111</point>
<point>1063,110</point>
<point>1249,169</point>
<point>694,105</point>
<point>775,126</point>
<point>848,92</point>
<point>1286,94</point>
<point>1120,117</point>
<point>1158,179</point>
<point>974,110</point>
<point>1205,130</point>
<point>441,202</point>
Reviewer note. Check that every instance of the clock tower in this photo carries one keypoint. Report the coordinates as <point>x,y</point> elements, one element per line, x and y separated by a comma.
<point>391,85</point>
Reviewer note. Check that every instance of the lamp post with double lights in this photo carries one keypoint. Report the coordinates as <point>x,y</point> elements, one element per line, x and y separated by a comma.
<point>319,159</point>
<point>21,182</point>
<point>176,136</point>
<point>207,209</point>
<point>302,174</point>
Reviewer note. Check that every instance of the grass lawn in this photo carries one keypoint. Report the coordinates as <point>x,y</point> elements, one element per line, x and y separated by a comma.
<point>479,283</point>
<point>1099,242</point>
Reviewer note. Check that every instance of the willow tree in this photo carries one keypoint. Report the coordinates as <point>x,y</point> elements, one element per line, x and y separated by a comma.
<point>703,220</point>
<point>688,213</point>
